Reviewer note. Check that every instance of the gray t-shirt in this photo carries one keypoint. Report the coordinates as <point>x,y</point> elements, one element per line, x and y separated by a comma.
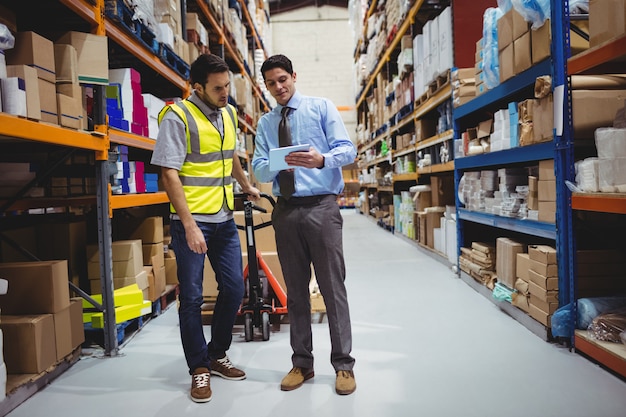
<point>170,150</point>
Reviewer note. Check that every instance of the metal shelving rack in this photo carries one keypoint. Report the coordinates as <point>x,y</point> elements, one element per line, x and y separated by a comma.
<point>605,58</point>
<point>100,140</point>
<point>560,149</point>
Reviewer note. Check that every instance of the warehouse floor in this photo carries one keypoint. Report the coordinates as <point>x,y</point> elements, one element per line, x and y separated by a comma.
<point>425,344</point>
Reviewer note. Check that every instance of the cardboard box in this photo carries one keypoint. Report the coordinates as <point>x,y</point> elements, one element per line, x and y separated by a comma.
<point>35,51</point>
<point>158,269</point>
<point>547,190</point>
<point>547,211</point>
<point>92,53</point>
<point>63,333</point>
<point>148,230</point>
<point>422,199</point>
<point>442,188</point>
<point>550,284</point>
<point>425,128</point>
<point>546,170</point>
<point>66,63</point>
<point>506,260</point>
<point>540,40</point>
<point>35,287</point>
<point>542,253</point>
<point>607,20</point>
<point>542,294</point>
<point>33,348</point>
<point>422,228</point>
<point>507,62</point>
<point>505,30</point>
<point>69,111</point>
<point>171,272</point>
<point>48,101</point>
<point>433,221</point>
<point>543,119</point>
<point>522,266</point>
<point>520,26</point>
<point>522,54</point>
<point>592,109</point>
<point>76,322</point>
<point>539,315</point>
<point>31,84</point>
<point>484,129</point>
<point>153,249</point>
<point>545,306</point>
<point>547,270</point>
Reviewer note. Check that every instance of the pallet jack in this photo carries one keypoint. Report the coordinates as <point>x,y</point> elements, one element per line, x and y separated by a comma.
<point>265,296</point>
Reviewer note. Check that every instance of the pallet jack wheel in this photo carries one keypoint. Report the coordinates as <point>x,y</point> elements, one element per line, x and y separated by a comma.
<point>248,327</point>
<point>265,319</point>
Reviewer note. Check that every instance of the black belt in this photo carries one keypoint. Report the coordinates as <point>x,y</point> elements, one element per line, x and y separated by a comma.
<point>306,201</point>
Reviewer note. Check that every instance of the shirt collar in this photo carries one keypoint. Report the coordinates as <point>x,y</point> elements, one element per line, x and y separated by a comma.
<point>293,103</point>
<point>208,111</point>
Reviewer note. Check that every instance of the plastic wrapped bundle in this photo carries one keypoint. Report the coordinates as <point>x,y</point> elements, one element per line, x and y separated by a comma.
<point>610,142</point>
<point>491,67</point>
<point>587,175</point>
<point>590,308</point>
<point>7,40</point>
<point>534,11</point>
<point>612,175</point>
<point>608,326</point>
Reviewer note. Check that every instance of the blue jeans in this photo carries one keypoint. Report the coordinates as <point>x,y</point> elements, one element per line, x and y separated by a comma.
<point>224,253</point>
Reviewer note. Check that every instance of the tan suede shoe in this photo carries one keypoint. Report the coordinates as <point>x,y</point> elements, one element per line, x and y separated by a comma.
<point>345,383</point>
<point>295,378</point>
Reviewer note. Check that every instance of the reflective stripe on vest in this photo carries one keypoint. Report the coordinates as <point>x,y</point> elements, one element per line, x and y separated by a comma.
<point>206,172</point>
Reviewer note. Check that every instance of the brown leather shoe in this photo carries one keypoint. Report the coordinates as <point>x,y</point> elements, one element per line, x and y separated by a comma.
<point>345,383</point>
<point>295,378</point>
<point>223,367</point>
<point>201,386</point>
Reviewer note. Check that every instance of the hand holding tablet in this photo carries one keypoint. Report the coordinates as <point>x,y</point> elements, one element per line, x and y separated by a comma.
<point>277,156</point>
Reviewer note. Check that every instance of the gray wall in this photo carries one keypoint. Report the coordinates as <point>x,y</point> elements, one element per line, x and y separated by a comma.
<point>319,42</point>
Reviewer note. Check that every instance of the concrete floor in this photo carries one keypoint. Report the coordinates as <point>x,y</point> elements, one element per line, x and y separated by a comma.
<point>424,341</point>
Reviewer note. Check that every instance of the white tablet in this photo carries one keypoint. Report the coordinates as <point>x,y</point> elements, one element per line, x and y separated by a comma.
<point>277,156</point>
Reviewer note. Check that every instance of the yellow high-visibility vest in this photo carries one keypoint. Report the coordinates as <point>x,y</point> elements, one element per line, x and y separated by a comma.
<point>206,174</point>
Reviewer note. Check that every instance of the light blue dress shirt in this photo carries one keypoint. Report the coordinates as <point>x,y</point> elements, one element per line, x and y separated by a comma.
<point>314,121</point>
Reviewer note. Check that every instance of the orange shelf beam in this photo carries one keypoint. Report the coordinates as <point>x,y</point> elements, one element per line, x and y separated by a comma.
<point>130,139</point>
<point>17,127</point>
<point>602,202</point>
<point>586,61</point>
<point>119,201</point>
<point>600,354</point>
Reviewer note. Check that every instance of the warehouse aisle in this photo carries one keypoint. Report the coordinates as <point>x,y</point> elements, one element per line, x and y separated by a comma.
<point>425,344</point>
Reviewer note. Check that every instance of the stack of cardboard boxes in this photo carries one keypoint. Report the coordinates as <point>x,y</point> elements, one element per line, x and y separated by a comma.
<point>149,232</point>
<point>546,191</point>
<point>543,283</point>
<point>537,283</point>
<point>43,324</point>
<point>43,77</point>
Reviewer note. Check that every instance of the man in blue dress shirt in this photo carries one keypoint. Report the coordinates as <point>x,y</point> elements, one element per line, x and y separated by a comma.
<point>307,218</point>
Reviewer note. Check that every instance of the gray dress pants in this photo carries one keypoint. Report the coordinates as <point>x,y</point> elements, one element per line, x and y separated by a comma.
<point>309,232</point>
